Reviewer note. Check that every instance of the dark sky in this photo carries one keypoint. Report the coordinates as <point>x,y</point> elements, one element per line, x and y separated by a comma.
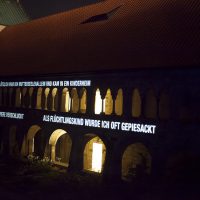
<point>41,8</point>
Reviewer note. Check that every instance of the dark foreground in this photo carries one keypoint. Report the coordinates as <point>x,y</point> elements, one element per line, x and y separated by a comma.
<point>25,180</point>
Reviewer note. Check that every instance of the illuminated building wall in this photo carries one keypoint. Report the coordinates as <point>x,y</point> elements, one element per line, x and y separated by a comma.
<point>120,124</point>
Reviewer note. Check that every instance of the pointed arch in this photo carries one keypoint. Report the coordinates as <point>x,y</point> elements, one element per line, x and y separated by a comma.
<point>24,97</point>
<point>46,95</point>
<point>5,97</point>
<point>74,100</point>
<point>98,102</point>
<point>18,97</point>
<point>108,103</point>
<point>136,103</point>
<point>11,96</point>
<point>150,105</point>
<point>119,103</point>
<point>83,100</point>
<point>54,99</point>
<point>39,98</point>
<point>65,101</point>
<point>30,93</point>
<point>164,106</point>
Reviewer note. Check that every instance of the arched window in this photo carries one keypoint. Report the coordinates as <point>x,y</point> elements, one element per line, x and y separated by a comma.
<point>75,101</point>
<point>98,102</point>
<point>18,97</point>
<point>46,94</point>
<point>136,103</point>
<point>164,106</point>
<point>39,99</point>
<point>30,92</point>
<point>54,99</point>
<point>119,103</point>
<point>66,101</point>
<point>5,97</point>
<point>83,101</point>
<point>108,103</point>
<point>24,99</point>
<point>150,105</point>
<point>11,97</point>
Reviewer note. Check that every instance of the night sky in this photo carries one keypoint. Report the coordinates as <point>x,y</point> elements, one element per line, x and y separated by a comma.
<point>41,8</point>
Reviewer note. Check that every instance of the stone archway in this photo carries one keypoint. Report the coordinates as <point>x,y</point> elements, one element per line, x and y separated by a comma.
<point>94,154</point>
<point>60,144</point>
<point>28,142</point>
<point>136,161</point>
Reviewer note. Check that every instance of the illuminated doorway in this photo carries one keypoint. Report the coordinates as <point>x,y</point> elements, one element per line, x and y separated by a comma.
<point>94,155</point>
<point>136,162</point>
<point>60,145</point>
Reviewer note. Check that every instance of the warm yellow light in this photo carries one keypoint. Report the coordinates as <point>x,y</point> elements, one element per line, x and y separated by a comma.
<point>97,157</point>
<point>33,145</point>
<point>67,102</point>
<point>98,102</point>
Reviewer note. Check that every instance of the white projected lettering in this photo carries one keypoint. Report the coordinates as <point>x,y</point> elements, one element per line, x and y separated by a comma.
<point>72,83</point>
<point>113,125</point>
<point>11,115</point>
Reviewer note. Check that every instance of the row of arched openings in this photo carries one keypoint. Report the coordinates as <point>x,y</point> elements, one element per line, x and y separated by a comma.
<point>150,107</point>
<point>57,147</point>
<point>76,101</point>
<point>45,98</point>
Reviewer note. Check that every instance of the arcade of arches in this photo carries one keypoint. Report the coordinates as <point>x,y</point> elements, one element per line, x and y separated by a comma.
<point>57,147</point>
<point>76,101</point>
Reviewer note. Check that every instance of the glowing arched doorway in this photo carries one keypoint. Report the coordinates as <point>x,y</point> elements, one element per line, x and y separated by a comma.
<point>136,161</point>
<point>60,145</point>
<point>94,155</point>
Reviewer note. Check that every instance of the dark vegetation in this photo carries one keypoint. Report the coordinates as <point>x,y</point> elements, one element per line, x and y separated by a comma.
<point>35,179</point>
